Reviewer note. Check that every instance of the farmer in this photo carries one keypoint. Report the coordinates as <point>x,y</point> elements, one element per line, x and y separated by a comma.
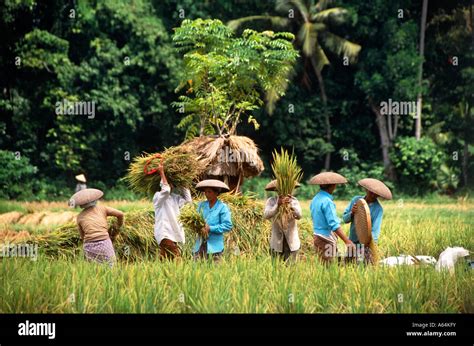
<point>93,227</point>
<point>373,190</point>
<point>218,220</point>
<point>168,230</point>
<point>283,242</point>
<point>326,224</point>
<point>81,182</point>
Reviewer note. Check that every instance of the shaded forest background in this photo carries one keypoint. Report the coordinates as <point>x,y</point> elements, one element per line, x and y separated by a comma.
<point>120,54</point>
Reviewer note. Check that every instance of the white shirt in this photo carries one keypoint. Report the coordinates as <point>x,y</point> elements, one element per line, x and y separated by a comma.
<point>291,233</point>
<point>167,207</point>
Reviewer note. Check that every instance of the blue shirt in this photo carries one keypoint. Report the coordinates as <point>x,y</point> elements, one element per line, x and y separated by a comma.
<point>323,213</point>
<point>376,214</point>
<point>219,220</point>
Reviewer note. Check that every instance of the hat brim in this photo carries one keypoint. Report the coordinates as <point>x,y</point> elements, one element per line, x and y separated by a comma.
<point>81,178</point>
<point>327,178</point>
<point>377,187</point>
<point>85,196</point>
<point>213,184</point>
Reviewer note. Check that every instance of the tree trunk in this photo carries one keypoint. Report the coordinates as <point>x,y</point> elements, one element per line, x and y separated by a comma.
<point>465,162</point>
<point>385,140</point>
<point>420,71</point>
<point>327,123</point>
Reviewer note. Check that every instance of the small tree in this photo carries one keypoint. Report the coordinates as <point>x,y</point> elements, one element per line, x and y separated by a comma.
<point>226,76</point>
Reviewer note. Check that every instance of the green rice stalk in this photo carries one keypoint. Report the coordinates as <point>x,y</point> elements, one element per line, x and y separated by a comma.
<point>191,219</point>
<point>287,173</point>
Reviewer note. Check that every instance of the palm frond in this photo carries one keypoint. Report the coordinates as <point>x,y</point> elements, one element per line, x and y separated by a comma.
<point>308,38</point>
<point>322,5</point>
<point>275,21</point>
<point>285,5</point>
<point>336,14</point>
<point>341,46</point>
<point>319,58</point>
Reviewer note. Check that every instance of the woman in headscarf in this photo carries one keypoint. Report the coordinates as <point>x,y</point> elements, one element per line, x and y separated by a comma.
<point>326,224</point>
<point>283,242</point>
<point>373,190</point>
<point>218,220</point>
<point>93,226</point>
<point>168,230</point>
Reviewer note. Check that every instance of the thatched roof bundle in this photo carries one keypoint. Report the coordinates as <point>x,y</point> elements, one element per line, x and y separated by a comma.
<point>227,155</point>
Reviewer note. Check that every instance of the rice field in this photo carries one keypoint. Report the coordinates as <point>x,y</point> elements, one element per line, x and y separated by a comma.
<point>257,283</point>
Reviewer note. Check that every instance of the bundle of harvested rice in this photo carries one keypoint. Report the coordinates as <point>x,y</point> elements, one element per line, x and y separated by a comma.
<point>251,232</point>
<point>191,219</point>
<point>182,169</point>
<point>136,240</point>
<point>62,218</point>
<point>7,236</point>
<point>31,219</point>
<point>10,217</point>
<point>288,174</point>
<point>59,243</point>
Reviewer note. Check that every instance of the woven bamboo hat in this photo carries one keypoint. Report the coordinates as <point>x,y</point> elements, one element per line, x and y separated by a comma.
<point>214,183</point>
<point>363,222</point>
<point>271,186</point>
<point>326,178</point>
<point>81,178</point>
<point>377,187</point>
<point>85,196</point>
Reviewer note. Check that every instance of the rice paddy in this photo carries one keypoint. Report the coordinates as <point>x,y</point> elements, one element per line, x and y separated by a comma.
<point>250,280</point>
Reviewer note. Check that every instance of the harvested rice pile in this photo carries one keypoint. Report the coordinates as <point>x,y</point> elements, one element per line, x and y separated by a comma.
<point>9,236</point>
<point>136,238</point>
<point>182,169</point>
<point>134,241</point>
<point>11,217</point>
<point>251,232</point>
<point>191,219</point>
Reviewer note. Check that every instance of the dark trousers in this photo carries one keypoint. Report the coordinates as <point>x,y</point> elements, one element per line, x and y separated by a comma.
<point>286,253</point>
<point>169,249</point>
<point>202,253</point>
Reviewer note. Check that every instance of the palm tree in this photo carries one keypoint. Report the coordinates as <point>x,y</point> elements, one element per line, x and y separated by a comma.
<point>313,22</point>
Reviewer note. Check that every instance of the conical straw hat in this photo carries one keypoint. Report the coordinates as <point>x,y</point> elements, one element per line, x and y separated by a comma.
<point>85,196</point>
<point>326,178</point>
<point>81,178</point>
<point>212,183</point>
<point>377,187</point>
<point>271,186</point>
<point>362,222</point>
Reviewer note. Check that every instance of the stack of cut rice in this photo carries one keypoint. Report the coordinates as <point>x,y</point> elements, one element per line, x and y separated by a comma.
<point>182,169</point>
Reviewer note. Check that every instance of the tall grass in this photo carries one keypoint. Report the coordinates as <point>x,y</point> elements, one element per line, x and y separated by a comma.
<point>236,285</point>
<point>254,282</point>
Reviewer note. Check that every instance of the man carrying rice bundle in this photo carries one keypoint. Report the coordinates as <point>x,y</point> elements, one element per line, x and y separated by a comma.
<point>93,227</point>
<point>374,188</point>
<point>168,230</point>
<point>218,220</point>
<point>326,224</point>
<point>283,242</point>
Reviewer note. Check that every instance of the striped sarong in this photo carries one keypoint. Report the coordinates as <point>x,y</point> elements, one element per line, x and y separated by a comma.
<point>326,247</point>
<point>101,251</point>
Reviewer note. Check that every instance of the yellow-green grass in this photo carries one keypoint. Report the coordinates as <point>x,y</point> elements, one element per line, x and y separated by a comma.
<point>235,285</point>
<point>256,283</point>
